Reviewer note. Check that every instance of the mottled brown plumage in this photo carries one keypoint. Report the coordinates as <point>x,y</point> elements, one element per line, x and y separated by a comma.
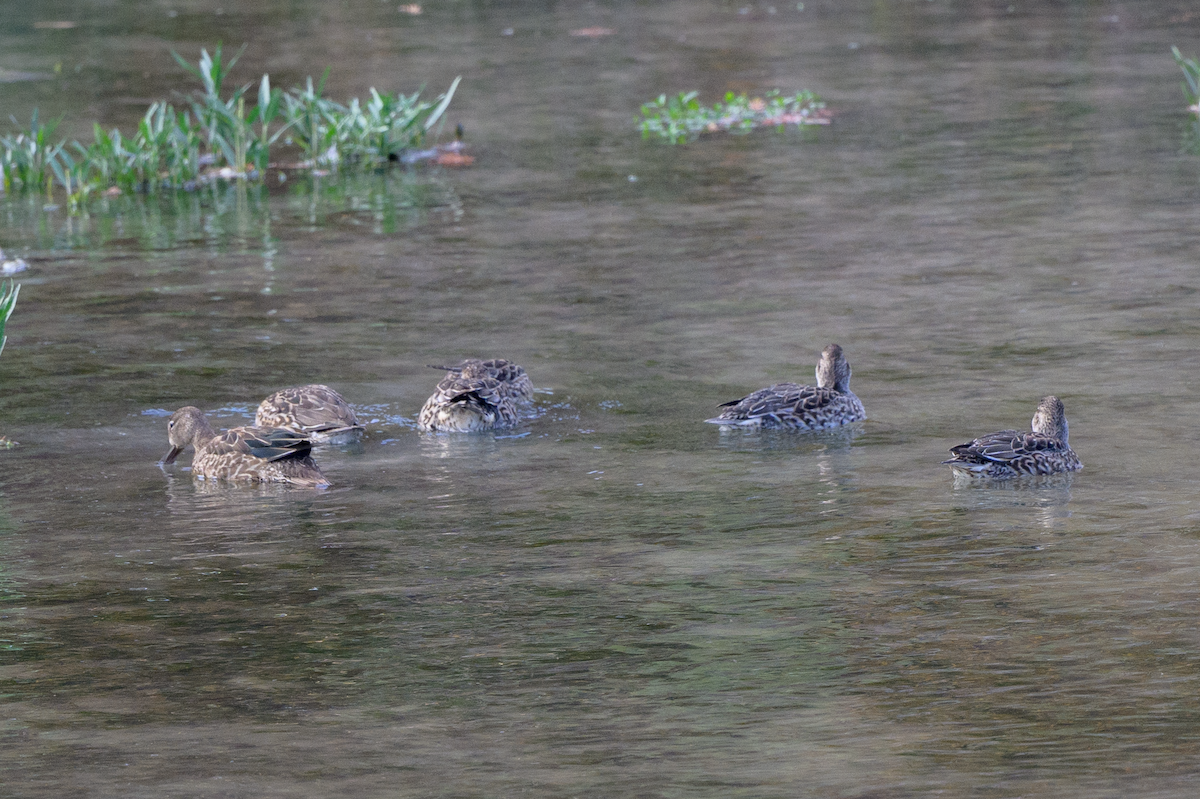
<point>509,374</point>
<point>789,406</point>
<point>245,454</point>
<point>476,395</point>
<point>315,410</point>
<point>1014,453</point>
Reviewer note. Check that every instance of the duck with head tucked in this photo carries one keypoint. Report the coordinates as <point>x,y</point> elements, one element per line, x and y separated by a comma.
<point>477,395</point>
<point>243,454</point>
<point>317,411</point>
<point>788,406</point>
<point>1013,453</point>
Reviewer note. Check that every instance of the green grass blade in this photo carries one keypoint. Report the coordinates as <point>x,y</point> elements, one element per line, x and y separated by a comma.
<point>441,107</point>
<point>8,301</point>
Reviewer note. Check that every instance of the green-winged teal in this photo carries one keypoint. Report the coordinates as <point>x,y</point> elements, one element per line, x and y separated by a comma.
<point>245,454</point>
<point>477,395</point>
<point>789,406</point>
<point>315,410</point>
<point>1014,453</point>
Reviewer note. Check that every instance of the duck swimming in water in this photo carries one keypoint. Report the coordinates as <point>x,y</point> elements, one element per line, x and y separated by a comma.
<point>788,406</point>
<point>243,454</point>
<point>1013,453</point>
<point>317,411</point>
<point>476,395</point>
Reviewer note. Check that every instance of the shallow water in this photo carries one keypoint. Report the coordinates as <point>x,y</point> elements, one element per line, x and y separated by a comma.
<point>616,599</point>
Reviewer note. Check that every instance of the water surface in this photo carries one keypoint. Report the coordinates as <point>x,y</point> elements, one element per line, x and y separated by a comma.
<point>616,599</point>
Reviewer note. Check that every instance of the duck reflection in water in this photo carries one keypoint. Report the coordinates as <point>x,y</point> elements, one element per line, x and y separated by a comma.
<point>1049,496</point>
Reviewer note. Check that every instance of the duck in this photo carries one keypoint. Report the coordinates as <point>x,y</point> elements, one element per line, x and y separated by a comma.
<point>243,454</point>
<point>476,395</point>
<point>788,406</point>
<point>1014,453</point>
<point>511,376</point>
<point>317,411</point>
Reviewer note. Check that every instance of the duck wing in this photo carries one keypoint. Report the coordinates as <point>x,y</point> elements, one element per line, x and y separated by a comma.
<point>267,443</point>
<point>511,376</point>
<point>323,411</point>
<point>780,398</point>
<point>1004,446</point>
<point>482,390</point>
<point>310,409</point>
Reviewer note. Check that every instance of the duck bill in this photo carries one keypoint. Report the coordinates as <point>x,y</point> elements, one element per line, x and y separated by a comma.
<point>171,455</point>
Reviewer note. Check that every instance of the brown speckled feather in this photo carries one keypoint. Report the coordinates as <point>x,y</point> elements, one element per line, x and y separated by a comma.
<point>477,395</point>
<point>315,410</point>
<point>1014,453</point>
<point>789,406</point>
<point>511,376</point>
<point>247,454</point>
<point>466,404</point>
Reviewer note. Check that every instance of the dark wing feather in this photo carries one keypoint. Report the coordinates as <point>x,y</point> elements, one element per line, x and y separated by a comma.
<point>268,443</point>
<point>777,398</point>
<point>496,368</point>
<point>484,390</point>
<point>1005,446</point>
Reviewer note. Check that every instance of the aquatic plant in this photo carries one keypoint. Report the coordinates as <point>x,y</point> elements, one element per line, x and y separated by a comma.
<point>25,157</point>
<point>219,136</point>
<point>228,128</point>
<point>1191,91</point>
<point>328,133</point>
<point>682,118</point>
<point>8,301</point>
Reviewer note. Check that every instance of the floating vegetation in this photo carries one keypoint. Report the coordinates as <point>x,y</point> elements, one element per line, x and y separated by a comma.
<point>682,118</point>
<point>8,301</point>
<point>219,137</point>
<point>1191,91</point>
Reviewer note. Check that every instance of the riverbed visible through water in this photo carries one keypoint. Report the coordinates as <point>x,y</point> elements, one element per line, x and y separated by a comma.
<point>616,599</point>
